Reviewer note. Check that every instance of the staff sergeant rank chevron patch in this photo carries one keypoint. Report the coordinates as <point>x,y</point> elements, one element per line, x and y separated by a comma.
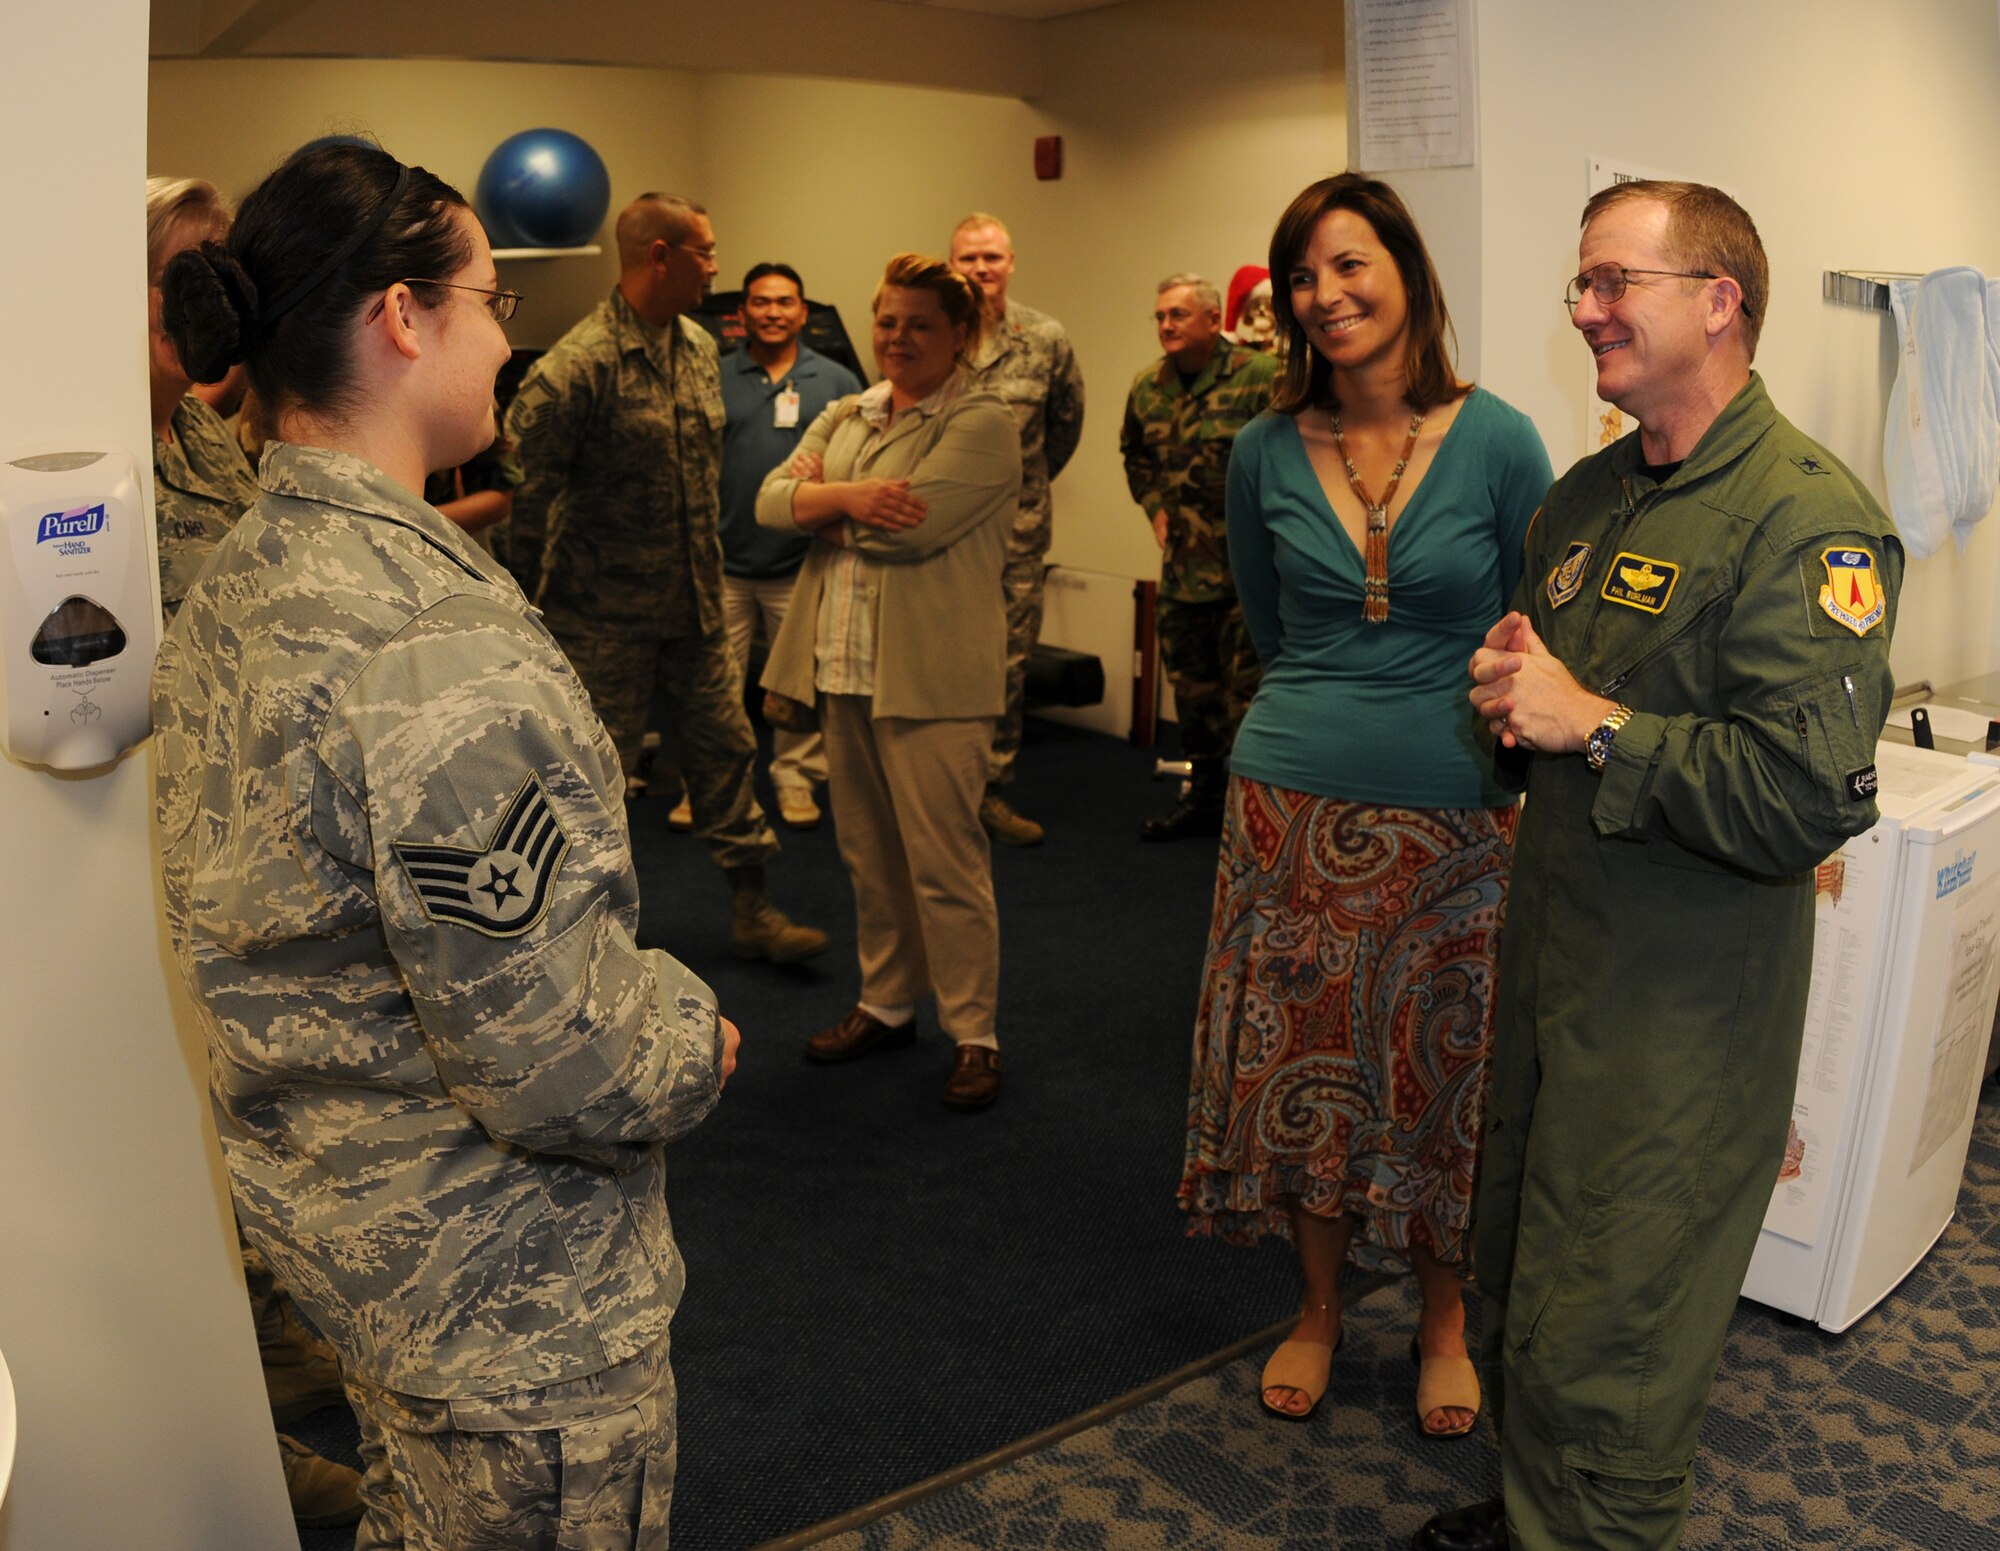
<point>502,889</point>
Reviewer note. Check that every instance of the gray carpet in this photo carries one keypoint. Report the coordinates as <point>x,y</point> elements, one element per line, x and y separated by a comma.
<point>1886,1438</point>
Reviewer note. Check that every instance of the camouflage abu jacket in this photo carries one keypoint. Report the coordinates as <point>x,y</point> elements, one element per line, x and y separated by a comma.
<point>1027,360</point>
<point>201,483</point>
<point>1176,443</point>
<point>399,887</point>
<point>618,429</point>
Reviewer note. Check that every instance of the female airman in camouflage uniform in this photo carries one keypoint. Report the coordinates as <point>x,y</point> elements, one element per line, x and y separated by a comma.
<point>399,886</point>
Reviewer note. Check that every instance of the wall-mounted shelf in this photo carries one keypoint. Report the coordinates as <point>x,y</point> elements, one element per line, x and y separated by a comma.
<point>591,250</point>
<point>1861,287</point>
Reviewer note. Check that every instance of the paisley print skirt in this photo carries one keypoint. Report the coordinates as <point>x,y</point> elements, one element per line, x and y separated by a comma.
<point>1346,1014</point>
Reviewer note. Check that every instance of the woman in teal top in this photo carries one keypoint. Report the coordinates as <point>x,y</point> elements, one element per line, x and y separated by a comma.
<point>1376,520</point>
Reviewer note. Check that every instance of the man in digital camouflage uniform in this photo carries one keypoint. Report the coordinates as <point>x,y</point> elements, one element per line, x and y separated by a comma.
<point>618,429</point>
<point>1025,357</point>
<point>1692,684</point>
<point>1181,418</point>
<point>442,1070</point>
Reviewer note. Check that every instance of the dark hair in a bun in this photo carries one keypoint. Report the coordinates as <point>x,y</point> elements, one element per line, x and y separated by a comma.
<point>213,304</point>
<point>314,244</point>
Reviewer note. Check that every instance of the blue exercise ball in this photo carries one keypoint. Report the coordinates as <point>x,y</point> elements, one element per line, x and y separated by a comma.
<point>542,188</point>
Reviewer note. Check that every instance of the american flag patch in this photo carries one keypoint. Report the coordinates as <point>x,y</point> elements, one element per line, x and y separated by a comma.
<point>502,889</point>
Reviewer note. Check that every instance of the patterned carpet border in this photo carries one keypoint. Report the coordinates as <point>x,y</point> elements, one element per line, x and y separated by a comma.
<point>1886,1438</point>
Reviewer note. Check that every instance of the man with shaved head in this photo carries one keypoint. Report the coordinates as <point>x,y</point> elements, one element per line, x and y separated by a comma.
<point>619,428</point>
<point>1025,357</point>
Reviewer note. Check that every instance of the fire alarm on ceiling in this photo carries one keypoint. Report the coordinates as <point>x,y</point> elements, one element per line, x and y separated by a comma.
<point>1048,157</point>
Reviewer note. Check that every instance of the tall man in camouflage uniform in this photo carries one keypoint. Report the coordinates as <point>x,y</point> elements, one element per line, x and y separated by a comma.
<point>1025,357</point>
<point>619,431</point>
<point>1181,418</point>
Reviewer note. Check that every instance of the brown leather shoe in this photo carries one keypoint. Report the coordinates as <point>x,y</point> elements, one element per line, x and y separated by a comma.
<point>856,1035</point>
<point>975,1078</point>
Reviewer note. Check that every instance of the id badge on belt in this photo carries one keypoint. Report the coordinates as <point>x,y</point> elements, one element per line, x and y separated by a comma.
<point>785,416</point>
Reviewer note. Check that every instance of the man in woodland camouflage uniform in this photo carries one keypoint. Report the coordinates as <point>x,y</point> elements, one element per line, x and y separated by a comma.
<point>1025,357</point>
<point>614,537</point>
<point>1180,420</point>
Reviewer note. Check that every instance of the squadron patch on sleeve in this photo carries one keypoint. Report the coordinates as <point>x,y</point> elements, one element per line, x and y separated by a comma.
<point>1566,580</point>
<point>503,888</point>
<point>1852,595</point>
<point>1640,583</point>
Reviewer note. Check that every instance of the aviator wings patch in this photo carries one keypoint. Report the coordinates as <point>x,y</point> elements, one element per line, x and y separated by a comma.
<point>503,888</point>
<point>1639,582</point>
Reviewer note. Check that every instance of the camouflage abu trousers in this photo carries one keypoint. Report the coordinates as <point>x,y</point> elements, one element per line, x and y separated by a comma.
<point>584,1465</point>
<point>1214,671</point>
<point>700,687</point>
<point>1022,584</point>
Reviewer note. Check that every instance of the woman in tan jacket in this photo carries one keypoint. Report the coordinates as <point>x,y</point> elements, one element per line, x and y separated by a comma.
<point>897,632</point>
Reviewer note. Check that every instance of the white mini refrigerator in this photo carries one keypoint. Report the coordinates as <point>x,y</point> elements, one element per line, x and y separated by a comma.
<point>1906,972</point>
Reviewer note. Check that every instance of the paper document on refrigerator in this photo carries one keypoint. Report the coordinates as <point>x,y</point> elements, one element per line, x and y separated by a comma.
<point>1850,896</point>
<point>1968,1015</point>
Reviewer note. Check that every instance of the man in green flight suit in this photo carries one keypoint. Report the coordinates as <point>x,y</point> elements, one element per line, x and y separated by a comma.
<point>1181,419</point>
<point>1692,684</point>
<point>615,538</point>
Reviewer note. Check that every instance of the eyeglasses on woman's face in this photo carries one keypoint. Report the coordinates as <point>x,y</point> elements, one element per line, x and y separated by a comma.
<point>502,304</point>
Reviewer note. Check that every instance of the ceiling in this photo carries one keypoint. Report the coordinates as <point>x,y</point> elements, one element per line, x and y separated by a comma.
<point>521,29</point>
<point>994,46</point>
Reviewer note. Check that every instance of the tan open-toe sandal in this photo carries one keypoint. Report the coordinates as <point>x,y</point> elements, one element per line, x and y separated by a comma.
<point>1299,1365</point>
<point>1444,1384</point>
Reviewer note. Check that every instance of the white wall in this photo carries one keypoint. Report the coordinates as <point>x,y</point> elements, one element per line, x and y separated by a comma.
<point>231,121</point>
<point>143,1420</point>
<point>1187,127</point>
<point>1855,136</point>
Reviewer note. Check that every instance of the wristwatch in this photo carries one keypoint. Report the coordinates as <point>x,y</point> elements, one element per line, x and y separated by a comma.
<point>1597,746</point>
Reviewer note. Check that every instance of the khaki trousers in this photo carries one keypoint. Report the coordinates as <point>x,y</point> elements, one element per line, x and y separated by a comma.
<point>905,798</point>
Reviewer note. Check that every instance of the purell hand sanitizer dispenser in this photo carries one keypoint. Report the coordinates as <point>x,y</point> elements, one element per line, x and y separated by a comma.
<point>79,619</point>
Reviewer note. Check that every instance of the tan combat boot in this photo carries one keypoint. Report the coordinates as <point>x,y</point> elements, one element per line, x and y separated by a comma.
<point>760,930</point>
<point>1004,824</point>
<point>323,1493</point>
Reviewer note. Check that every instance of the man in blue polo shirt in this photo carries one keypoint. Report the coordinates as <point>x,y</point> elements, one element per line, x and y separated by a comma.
<point>772,390</point>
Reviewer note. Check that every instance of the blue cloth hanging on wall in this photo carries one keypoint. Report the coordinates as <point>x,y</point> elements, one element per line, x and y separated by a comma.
<point>1941,446</point>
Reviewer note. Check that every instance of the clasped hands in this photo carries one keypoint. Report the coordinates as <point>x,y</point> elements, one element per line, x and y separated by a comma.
<point>888,504</point>
<point>1527,697</point>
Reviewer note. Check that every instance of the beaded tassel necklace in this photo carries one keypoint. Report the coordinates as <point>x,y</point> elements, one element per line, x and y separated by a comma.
<point>1375,586</point>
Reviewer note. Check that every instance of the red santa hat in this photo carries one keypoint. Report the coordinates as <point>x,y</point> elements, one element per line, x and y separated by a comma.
<point>1245,281</point>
